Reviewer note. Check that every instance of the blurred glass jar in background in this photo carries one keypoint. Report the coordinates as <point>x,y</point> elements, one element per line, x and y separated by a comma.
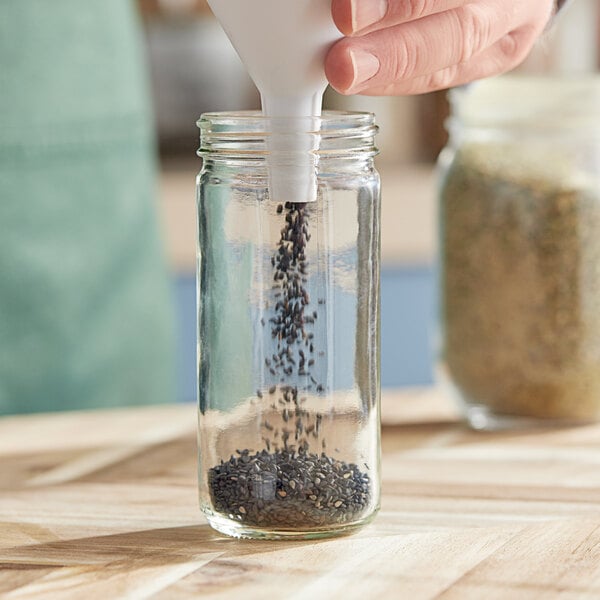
<point>520,251</point>
<point>288,331</point>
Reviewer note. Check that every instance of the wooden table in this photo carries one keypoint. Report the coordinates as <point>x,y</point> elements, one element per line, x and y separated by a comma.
<point>103,505</point>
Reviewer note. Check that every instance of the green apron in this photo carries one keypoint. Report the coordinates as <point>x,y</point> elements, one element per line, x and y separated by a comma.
<point>85,307</point>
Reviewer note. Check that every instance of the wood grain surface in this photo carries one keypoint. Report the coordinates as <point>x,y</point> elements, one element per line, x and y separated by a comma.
<point>102,505</point>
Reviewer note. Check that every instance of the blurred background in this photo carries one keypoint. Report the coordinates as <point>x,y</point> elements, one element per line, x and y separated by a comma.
<point>85,317</point>
<point>194,69</point>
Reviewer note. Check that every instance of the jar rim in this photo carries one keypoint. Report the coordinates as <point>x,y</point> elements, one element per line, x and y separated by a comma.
<point>334,134</point>
<point>550,102</point>
<point>328,120</point>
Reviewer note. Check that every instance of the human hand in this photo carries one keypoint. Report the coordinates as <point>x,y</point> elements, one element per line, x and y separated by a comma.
<point>399,47</point>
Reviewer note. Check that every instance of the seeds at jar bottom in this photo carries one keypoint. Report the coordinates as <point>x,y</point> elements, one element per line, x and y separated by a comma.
<point>521,284</point>
<point>287,489</point>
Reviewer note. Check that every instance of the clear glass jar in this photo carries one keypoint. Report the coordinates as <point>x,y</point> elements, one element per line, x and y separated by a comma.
<point>288,331</point>
<point>520,251</point>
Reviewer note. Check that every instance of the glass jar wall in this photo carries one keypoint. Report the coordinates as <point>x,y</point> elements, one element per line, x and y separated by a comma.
<point>520,251</point>
<point>288,331</point>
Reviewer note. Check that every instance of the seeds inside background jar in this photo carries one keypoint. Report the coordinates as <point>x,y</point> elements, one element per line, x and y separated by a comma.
<point>521,283</point>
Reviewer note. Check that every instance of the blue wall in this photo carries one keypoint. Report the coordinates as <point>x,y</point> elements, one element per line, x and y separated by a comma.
<point>407,329</point>
<point>407,326</point>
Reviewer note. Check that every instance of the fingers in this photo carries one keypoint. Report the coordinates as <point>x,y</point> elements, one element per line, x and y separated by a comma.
<point>502,56</point>
<point>415,46</point>
<point>364,16</point>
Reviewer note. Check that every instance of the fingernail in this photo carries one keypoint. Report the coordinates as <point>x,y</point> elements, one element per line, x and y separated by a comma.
<point>367,12</point>
<point>365,65</point>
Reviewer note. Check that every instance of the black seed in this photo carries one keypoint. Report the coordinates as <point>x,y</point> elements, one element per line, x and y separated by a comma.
<point>276,489</point>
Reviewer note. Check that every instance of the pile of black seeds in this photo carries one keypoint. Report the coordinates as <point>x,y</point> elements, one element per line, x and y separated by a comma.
<point>286,485</point>
<point>289,489</point>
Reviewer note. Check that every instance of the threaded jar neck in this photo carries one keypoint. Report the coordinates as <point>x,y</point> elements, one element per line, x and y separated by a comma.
<point>250,135</point>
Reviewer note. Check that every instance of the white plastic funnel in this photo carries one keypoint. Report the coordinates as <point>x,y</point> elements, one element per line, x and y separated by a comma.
<point>283,44</point>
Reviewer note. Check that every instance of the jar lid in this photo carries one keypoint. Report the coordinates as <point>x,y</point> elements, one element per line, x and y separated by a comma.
<point>517,100</point>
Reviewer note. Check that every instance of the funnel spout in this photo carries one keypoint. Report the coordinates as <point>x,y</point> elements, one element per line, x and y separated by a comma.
<point>292,105</point>
<point>292,144</point>
<point>283,44</point>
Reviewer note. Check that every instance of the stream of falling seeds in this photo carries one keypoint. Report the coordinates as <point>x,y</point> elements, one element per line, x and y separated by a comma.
<point>290,485</point>
<point>291,329</point>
